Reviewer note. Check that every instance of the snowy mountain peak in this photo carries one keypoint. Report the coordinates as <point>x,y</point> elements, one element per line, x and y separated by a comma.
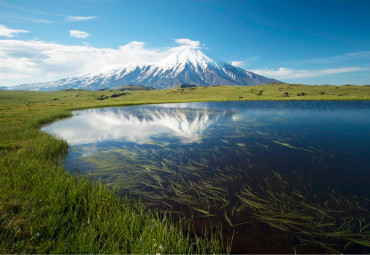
<point>185,65</point>
<point>188,55</point>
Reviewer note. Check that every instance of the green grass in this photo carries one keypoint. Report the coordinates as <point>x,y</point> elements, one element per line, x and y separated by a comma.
<point>45,210</point>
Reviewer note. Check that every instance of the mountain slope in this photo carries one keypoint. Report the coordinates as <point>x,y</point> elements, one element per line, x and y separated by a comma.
<point>188,65</point>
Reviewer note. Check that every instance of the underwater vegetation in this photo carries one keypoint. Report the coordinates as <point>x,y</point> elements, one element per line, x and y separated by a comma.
<point>242,198</point>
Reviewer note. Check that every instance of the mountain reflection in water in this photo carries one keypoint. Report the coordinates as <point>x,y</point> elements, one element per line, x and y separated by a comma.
<point>91,126</point>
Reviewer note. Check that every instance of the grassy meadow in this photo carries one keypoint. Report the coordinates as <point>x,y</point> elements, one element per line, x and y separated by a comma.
<point>43,209</point>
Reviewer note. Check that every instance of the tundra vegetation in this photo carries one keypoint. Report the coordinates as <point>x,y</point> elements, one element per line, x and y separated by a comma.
<point>43,209</point>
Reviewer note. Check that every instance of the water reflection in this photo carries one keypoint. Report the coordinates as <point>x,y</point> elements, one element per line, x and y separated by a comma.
<point>99,125</point>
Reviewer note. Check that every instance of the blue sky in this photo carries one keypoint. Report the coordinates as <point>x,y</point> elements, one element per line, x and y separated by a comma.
<point>311,42</point>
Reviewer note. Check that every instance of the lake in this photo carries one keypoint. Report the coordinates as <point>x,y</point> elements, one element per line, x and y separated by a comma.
<point>280,176</point>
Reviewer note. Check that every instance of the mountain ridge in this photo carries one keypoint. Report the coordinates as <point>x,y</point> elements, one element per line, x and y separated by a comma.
<point>187,65</point>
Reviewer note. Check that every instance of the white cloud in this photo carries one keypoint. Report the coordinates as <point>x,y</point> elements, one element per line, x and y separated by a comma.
<point>287,73</point>
<point>45,21</point>
<point>134,45</point>
<point>7,32</point>
<point>335,59</point>
<point>78,34</point>
<point>80,18</point>
<point>237,63</point>
<point>184,41</point>
<point>359,54</point>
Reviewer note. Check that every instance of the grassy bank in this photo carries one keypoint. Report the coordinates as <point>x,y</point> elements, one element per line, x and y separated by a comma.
<point>45,210</point>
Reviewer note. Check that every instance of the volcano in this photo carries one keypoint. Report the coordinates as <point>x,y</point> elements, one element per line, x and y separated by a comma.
<point>187,65</point>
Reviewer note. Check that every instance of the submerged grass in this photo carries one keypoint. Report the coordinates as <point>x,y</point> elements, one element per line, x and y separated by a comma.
<point>332,223</point>
<point>45,210</point>
<point>244,198</point>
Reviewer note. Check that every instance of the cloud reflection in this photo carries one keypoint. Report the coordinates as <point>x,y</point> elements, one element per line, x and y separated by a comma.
<point>98,125</point>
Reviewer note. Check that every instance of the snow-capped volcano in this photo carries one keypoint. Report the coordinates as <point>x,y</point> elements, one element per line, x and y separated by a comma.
<point>187,65</point>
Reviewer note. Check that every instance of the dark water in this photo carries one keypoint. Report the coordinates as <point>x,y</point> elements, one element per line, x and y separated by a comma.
<point>279,176</point>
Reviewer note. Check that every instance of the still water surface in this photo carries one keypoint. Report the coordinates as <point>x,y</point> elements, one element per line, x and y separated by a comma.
<point>273,173</point>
